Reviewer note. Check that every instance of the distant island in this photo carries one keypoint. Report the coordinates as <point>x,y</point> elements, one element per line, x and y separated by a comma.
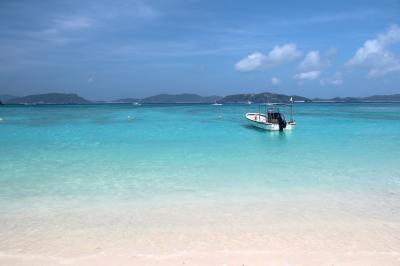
<point>49,98</point>
<point>374,98</point>
<point>265,97</point>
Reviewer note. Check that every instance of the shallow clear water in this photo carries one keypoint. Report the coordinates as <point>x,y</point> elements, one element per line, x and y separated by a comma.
<point>343,156</point>
<point>68,151</point>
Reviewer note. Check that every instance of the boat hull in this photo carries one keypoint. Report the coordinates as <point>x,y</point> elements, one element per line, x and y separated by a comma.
<point>260,121</point>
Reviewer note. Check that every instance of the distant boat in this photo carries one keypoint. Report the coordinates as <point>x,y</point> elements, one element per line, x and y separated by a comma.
<point>217,104</point>
<point>136,104</point>
<point>249,102</point>
<point>272,119</point>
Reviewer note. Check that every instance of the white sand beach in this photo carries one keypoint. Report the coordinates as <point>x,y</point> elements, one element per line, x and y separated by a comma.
<point>301,230</point>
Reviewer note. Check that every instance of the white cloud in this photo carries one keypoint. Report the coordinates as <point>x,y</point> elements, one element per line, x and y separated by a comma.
<point>284,53</point>
<point>336,79</point>
<point>375,55</point>
<point>312,65</point>
<point>277,56</point>
<point>311,62</point>
<point>379,72</point>
<point>310,75</point>
<point>275,81</point>
<point>251,62</point>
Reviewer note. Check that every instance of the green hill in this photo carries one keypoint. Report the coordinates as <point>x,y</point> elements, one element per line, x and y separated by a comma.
<point>265,97</point>
<point>49,98</point>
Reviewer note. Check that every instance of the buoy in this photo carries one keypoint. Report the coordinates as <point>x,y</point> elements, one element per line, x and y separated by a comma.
<point>1,119</point>
<point>130,117</point>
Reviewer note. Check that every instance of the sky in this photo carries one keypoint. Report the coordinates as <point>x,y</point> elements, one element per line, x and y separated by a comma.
<point>109,49</point>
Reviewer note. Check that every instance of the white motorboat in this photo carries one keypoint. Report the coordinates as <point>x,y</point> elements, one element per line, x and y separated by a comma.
<point>217,104</point>
<point>272,119</point>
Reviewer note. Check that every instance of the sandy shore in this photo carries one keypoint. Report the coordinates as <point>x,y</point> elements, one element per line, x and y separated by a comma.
<point>239,258</point>
<point>245,232</point>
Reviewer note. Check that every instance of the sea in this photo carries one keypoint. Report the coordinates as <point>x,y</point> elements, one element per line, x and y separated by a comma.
<point>195,184</point>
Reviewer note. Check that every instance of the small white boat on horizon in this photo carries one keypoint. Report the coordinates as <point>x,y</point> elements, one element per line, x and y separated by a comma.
<point>217,104</point>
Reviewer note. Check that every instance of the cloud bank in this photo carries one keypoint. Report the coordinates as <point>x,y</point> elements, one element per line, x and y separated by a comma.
<point>376,56</point>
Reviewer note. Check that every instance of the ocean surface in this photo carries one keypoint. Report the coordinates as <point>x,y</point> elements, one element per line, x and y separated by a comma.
<point>86,182</point>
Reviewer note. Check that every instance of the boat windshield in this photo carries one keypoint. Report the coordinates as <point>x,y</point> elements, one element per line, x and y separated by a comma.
<point>275,117</point>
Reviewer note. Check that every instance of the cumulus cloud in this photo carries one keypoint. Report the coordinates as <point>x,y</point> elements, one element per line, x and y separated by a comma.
<point>336,79</point>
<point>313,64</point>
<point>275,81</point>
<point>277,56</point>
<point>310,75</point>
<point>251,62</point>
<point>375,54</point>
<point>284,53</point>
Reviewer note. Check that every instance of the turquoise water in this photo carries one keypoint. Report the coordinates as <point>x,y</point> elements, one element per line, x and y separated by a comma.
<point>193,150</point>
<point>103,182</point>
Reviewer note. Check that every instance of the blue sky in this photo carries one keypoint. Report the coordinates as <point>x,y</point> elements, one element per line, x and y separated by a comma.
<point>112,49</point>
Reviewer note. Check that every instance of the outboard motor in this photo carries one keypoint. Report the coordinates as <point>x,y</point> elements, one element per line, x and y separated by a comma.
<point>282,123</point>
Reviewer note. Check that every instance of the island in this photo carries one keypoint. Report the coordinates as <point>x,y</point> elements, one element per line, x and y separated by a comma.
<point>373,98</point>
<point>49,98</point>
<point>265,97</point>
